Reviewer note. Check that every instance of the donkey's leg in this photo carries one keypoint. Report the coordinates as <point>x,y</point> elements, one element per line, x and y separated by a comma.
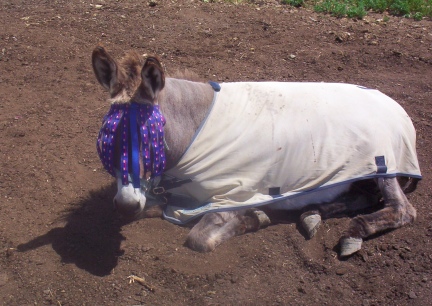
<point>215,228</point>
<point>397,212</point>
<point>311,218</point>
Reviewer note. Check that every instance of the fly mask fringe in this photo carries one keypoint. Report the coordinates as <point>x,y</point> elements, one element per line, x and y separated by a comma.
<point>150,121</point>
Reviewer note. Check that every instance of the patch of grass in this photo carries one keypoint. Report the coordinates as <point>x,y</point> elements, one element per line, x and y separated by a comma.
<point>349,8</point>
<point>376,5</point>
<point>416,9</point>
<point>296,3</point>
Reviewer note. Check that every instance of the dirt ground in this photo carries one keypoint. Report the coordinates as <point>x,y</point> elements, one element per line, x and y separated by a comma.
<point>60,243</point>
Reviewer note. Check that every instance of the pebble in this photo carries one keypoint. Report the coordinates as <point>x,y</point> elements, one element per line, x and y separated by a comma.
<point>412,295</point>
<point>341,271</point>
<point>343,36</point>
<point>301,290</point>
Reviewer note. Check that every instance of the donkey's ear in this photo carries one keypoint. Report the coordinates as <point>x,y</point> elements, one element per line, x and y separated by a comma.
<point>153,78</point>
<point>104,67</point>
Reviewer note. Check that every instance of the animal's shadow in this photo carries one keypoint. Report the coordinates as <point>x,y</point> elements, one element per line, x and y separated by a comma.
<point>91,237</point>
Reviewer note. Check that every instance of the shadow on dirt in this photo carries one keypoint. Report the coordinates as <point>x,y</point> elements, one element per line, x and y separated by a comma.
<point>91,237</point>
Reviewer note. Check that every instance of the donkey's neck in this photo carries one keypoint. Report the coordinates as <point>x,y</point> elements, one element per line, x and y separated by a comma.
<point>184,105</point>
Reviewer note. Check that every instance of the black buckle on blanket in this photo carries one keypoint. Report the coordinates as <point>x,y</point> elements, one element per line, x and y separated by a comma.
<point>274,192</point>
<point>158,190</point>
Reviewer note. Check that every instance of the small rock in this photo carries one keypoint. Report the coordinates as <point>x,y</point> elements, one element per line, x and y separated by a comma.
<point>383,247</point>
<point>363,255</point>
<point>343,36</point>
<point>412,295</point>
<point>10,251</point>
<point>301,290</point>
<point>210,277</point>
<point>146,248</point>
<point>152,3</point>
<point>341,271</point>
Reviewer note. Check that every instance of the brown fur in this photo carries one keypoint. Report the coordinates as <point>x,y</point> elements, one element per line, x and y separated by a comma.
<point>129,76</point>
<point>130,72</point>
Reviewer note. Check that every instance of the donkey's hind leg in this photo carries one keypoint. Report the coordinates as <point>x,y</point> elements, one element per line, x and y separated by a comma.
<point>362,195</point>
<point>215,228</point>
<point>397,212</point>
<point>310,219</point>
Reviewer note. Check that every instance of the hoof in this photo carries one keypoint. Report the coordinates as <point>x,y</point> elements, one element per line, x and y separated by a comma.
<point>350,245</point>
<point>311,224</point>
<point>262,218</point>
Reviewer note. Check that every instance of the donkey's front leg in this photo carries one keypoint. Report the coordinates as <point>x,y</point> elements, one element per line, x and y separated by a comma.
<point>215,228</point>
<point>397,212</point>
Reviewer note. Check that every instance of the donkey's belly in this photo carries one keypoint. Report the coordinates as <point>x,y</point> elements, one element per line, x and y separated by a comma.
<point>318,197</point>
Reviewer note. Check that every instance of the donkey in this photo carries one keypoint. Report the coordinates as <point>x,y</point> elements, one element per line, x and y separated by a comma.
<point>231,154</point>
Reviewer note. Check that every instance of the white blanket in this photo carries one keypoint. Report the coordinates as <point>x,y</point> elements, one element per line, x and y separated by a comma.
<point>298,137</point>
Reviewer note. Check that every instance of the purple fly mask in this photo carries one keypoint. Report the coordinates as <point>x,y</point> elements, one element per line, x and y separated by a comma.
<point>141,132</point>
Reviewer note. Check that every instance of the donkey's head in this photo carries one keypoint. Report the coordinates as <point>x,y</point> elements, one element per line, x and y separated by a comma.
<point>131,79</point>
<point>130,142</point>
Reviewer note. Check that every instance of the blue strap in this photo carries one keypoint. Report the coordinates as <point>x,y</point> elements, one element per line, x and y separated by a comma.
<point>381,164</point>
<point>135,145</point>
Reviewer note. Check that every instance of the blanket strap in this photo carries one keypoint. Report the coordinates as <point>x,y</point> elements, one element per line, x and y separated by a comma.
<point>215,85</point>
<point>167,184</point>
<point>274,191</point>
<point>381,164</point>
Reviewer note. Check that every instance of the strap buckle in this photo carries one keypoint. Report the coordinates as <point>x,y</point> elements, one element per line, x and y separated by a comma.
<point>159,190</point>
